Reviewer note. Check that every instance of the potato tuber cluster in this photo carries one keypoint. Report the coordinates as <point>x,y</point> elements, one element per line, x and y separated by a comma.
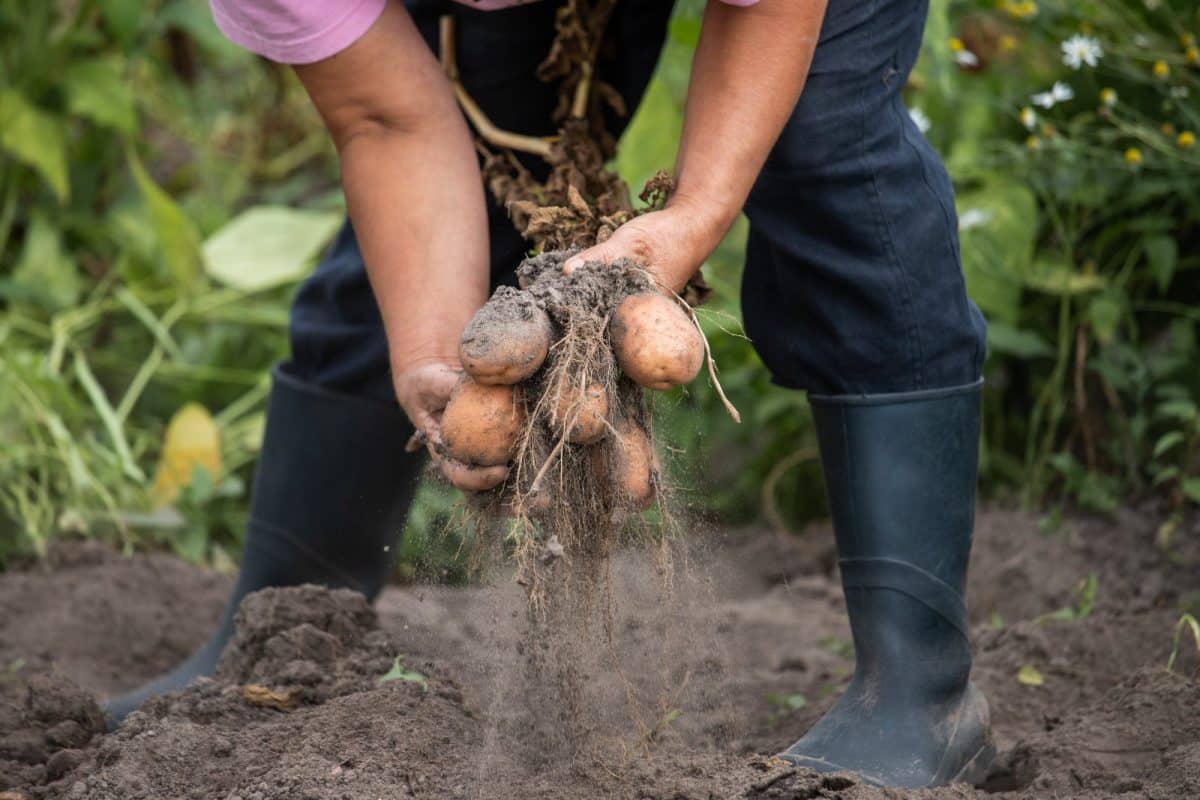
<point>553,387</point>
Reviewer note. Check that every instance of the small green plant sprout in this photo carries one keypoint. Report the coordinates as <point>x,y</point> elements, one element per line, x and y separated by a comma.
<point>843,648</point>
<point>996,622</point>
<point>1086,591</point>
<point>664,723</point>
<point>399,672</point>
<point>1186,623</point>
<point>784,704</point>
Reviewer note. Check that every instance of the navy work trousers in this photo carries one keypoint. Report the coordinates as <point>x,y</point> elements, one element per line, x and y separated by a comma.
<point>852,284</point>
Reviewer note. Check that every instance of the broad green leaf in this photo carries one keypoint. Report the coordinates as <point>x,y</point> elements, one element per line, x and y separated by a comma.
<point>1191,488</point>
<point>178,243</point>
<point>1162,255</point>
<point>36,138</point>
<point>196,21</point>
<point>268,246</point>
<point>1029,675</point>
<point>45,273</point>
<point>1006,340</point>
<point>998,250</point>
<point>97,89</point>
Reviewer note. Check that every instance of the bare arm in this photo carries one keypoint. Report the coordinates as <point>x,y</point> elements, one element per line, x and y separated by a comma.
<point>750,67</point>
<point>415,196</point>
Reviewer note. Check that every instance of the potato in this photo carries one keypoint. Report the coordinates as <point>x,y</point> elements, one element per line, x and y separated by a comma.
<point>469,478</point>
<point>656,343</point>
<point>584,411</point>
<point>481,424</point>
<point>507,340</point>
<point>635,466</point>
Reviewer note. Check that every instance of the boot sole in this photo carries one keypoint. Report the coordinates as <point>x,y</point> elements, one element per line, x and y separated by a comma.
<point>976,770</point>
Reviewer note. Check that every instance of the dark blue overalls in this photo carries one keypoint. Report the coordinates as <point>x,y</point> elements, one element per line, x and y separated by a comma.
<point>852,282</point>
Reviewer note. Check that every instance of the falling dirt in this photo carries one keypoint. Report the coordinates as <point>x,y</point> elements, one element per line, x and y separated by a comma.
<point>684,698</point>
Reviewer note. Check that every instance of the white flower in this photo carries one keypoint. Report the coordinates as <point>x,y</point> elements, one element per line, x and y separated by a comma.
<point>921,119</point>
<point>965,58</point>
<point>1029,118</point>
<point>1080,50</point>
<point>973,218</point>
<point>1179,92</point>
<point>1059,93</point>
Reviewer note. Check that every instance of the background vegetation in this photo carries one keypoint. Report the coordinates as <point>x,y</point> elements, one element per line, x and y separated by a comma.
<point>161,192</point>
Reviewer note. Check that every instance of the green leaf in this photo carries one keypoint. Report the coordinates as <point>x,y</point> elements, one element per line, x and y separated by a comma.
<point>1056,277</point>
<point>268,246</point>
<point>177,242</point>
<point>398,672</point>
<point>1167,441</point>
<point>1162,256</point>
<point>1007,340</point>
<point>1104,312</point>
<point>1182,410</point>
<point>998,250</point>
<point>36,138</point>
<point>97,89</point>
<point>44,273</point>
<point>123,17</point>
<point>1191,488</point>
<point>1028,675</point>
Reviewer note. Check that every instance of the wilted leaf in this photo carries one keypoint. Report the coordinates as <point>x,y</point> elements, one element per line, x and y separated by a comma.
<point>192,440</point>
<point>268,246</point>
<point>97,89</point>
<point>1028,675</point>
<point>35,137</point>
<point>262,696</point>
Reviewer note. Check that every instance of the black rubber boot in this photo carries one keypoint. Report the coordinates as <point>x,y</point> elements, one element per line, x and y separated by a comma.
<point>331,494</point>
<point>900,472</point>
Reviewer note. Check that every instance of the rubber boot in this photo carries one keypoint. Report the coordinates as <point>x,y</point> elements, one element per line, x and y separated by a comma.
<point>329,503</point>
<point>900,472</point>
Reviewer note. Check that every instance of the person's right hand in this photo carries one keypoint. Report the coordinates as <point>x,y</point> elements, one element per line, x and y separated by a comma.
<point>423,388</point>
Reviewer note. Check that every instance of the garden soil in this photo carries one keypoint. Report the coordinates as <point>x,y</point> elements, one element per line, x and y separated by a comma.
<point>703,670</point>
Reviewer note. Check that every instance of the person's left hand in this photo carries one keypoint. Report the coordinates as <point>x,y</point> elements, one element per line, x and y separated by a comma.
<point>673,243</point>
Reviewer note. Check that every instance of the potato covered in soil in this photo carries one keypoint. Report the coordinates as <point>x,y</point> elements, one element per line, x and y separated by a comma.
<point>657,345</point>
<point>481,424</point>
<point>634,466</point>
<point>584,410</point>
<point>507,340</point>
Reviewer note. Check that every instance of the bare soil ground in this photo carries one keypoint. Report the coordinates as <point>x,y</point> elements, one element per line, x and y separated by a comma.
<point>683,697</point>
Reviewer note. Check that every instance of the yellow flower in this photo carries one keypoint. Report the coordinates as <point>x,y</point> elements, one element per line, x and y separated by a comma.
<point>1108,97</point>
<point>1161,70</point>
<point>1008,43</point>
<point>1028,117</point>
<point>956,45</point>
<point>1193,54</point>
<point>1033,143</point>
<point>1186,140</point>
<point>1133,156</point>
<point>1187,40</point>
<point>1020,10</point>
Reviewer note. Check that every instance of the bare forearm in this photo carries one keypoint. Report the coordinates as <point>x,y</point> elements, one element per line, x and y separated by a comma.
<point>417,206</point>
<point>750,67</point>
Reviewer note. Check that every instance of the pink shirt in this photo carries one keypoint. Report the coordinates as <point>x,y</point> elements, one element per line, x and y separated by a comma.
<point>304,31</point>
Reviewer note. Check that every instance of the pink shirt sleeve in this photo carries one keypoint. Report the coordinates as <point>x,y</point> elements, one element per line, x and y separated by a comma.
<point>295,31</point>
<point>304,31</point>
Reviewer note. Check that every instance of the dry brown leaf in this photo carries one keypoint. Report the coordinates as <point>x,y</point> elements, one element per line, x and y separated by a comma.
<point>264,697</point>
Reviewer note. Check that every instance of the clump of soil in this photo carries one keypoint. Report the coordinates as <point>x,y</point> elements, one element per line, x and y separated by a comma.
<point>46,725</point>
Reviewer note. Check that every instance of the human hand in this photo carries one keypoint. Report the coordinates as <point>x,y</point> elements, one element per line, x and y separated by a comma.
<point>672,243</point>
<point>423,388</point>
